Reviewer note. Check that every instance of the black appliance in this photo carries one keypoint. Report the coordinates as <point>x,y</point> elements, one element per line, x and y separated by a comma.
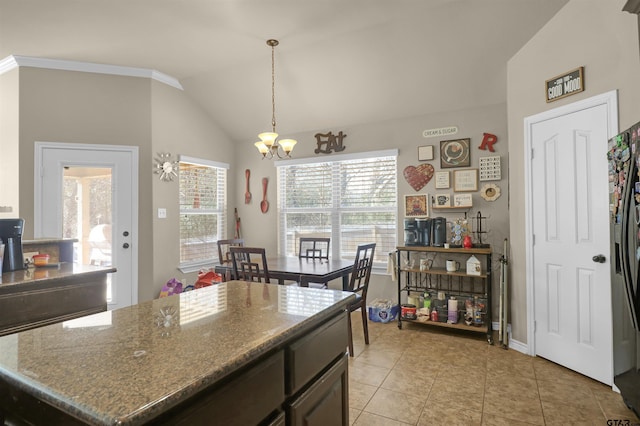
<point>439,231</point>
<point>11,236</point>
<point>624,192</point>
<point>410,232</point>
<point>424,231</point>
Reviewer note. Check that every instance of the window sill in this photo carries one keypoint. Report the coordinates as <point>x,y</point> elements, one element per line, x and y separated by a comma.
<point>196,267</point>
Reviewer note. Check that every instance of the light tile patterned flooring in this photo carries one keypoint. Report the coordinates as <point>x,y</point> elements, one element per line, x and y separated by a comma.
<point>422,375</point>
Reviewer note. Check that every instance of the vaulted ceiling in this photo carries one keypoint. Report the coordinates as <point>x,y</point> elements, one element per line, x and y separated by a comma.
<point>339,62</point>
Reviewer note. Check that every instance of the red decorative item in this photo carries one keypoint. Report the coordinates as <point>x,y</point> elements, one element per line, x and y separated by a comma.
<point>207,278</point>
<point>487,141</point>
<point>467,243</point>
<point>419,176</point>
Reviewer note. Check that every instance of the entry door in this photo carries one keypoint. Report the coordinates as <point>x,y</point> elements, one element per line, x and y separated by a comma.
<point>89,192</point>
<point>569,211</point>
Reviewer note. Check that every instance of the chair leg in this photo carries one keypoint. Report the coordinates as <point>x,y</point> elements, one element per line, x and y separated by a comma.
<point>365,324</point>
<point>350,334</point>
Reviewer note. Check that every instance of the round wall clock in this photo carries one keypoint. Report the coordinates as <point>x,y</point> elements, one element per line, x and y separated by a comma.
<point>490,192</point>
<point>166,167</point>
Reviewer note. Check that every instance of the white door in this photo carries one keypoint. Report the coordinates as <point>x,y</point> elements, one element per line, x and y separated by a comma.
<point>570,225</point>
<point>89,192</point>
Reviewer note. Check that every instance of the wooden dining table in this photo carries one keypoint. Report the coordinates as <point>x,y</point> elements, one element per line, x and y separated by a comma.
<point>304,271</point>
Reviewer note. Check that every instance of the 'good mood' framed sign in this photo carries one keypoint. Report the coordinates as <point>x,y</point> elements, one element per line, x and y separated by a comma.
<point>564,85</point>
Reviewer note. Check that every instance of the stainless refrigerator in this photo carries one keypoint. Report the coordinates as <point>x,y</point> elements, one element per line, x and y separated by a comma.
<point>624,192</point>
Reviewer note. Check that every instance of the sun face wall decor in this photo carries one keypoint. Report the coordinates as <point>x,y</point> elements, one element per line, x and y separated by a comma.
<point>166,167</point>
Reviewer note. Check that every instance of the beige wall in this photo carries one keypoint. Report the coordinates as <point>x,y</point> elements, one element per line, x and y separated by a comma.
<point>406,135</point>
<point>589,33</point>
<point>181,128</point>
<point>88,108</point>
<point>9,155</point>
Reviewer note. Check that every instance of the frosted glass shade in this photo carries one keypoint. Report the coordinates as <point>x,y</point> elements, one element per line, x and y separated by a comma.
<point>268,138</point>
<point>287,144</point>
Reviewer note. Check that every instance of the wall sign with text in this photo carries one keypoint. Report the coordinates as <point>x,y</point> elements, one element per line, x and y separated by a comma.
<point>565,85</point>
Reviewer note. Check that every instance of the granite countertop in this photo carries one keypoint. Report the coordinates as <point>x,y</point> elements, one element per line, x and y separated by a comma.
<point>38,274</point>
<point>49,241</point>
<point>128,365</point>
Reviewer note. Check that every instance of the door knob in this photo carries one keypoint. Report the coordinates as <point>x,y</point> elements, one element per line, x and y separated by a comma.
<point>125,245</point>
<point>599,258</point>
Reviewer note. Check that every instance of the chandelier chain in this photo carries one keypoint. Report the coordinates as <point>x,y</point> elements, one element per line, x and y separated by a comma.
<point>273,89</point>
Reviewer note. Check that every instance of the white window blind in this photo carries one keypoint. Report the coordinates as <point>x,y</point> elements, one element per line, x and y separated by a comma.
<point>203,187</point>
<point>352,201</point>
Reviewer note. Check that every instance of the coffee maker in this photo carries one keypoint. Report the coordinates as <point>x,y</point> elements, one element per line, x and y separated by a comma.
<point>410,232</point>
<point>439,231</point>
<point>424,231</point>
<point>11,236</point>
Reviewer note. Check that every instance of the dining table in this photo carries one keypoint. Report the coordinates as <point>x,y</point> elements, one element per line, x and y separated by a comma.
<point>302,270</point>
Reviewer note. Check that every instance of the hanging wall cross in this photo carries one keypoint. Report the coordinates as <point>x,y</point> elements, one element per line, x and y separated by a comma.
<point>328,142</point>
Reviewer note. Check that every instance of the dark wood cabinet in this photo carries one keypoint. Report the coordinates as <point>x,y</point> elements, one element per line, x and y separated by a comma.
<point>326,401</point>
<point>33,298</point>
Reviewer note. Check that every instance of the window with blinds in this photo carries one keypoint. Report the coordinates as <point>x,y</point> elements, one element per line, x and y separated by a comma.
<point>203,188</point>
<point>352,200</point>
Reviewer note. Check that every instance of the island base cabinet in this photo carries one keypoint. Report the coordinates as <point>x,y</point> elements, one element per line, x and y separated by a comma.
<point>246,400</point>
<point>326,402</point>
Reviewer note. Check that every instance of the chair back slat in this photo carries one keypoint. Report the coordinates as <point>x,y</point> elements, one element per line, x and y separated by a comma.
<point>224,255</point>
<point>361,273</point>
<point>250,264</point>
<point>314,248</point>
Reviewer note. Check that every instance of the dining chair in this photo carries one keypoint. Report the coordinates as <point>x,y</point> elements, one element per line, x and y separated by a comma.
<point>249,264</point>
<point>359,284</point>
<point>224,256</point>
<point>314,248</point>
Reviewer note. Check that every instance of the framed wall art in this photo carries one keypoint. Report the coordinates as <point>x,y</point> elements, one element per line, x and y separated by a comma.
<point>425,153</point>
<point>465,180</point>
<point>442,180</point>
<point>442,200</point>
<point>455,153</point>
<point>490,168</point>
<point>462,200</point>
<point>416,205</point>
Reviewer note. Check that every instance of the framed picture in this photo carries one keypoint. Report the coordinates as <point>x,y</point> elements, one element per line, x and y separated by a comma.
<point>443,200</point>
<point>465,180</point>
<point>425,153</point>
<point>416,205</point>
<point>455,153</point>
<point>442,180</point>
<point>462,200</point>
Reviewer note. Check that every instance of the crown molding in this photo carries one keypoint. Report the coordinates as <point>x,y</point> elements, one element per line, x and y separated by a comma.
<point>15,61</point>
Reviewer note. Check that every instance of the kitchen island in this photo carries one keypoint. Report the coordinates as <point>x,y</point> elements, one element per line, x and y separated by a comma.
<point>232,353</point>
<point>38,296</point>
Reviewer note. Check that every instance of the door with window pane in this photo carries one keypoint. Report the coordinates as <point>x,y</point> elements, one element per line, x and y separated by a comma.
<point>89,193</point>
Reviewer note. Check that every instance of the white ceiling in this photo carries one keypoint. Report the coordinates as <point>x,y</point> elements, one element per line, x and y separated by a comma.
<point>339,62</point>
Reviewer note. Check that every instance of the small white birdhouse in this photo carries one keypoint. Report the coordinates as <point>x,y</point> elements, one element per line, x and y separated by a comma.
<point>474,267</point>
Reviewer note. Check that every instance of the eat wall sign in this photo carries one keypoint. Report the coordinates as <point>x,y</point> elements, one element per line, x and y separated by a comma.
<point>564,85</point>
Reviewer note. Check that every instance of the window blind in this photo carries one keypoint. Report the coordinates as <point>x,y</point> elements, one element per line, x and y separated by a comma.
<point>352,201</point>
<point>202,211</point>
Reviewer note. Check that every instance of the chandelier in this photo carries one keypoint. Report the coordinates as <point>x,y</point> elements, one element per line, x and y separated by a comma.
<point>268,146</point>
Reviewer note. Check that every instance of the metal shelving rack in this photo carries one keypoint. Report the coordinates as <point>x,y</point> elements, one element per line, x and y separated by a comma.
<point>412,279</point>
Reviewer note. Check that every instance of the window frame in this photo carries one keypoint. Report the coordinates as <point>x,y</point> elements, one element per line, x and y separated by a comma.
<point>335,211</point>
<point>221,211</point>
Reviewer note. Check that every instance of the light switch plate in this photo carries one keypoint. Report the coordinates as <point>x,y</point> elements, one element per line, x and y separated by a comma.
<point>162,213</point>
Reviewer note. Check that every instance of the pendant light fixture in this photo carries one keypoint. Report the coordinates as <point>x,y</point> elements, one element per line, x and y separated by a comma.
<point>268,146</point>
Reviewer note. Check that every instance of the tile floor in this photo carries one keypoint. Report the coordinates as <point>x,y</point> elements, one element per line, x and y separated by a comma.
<point>421,375</point>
